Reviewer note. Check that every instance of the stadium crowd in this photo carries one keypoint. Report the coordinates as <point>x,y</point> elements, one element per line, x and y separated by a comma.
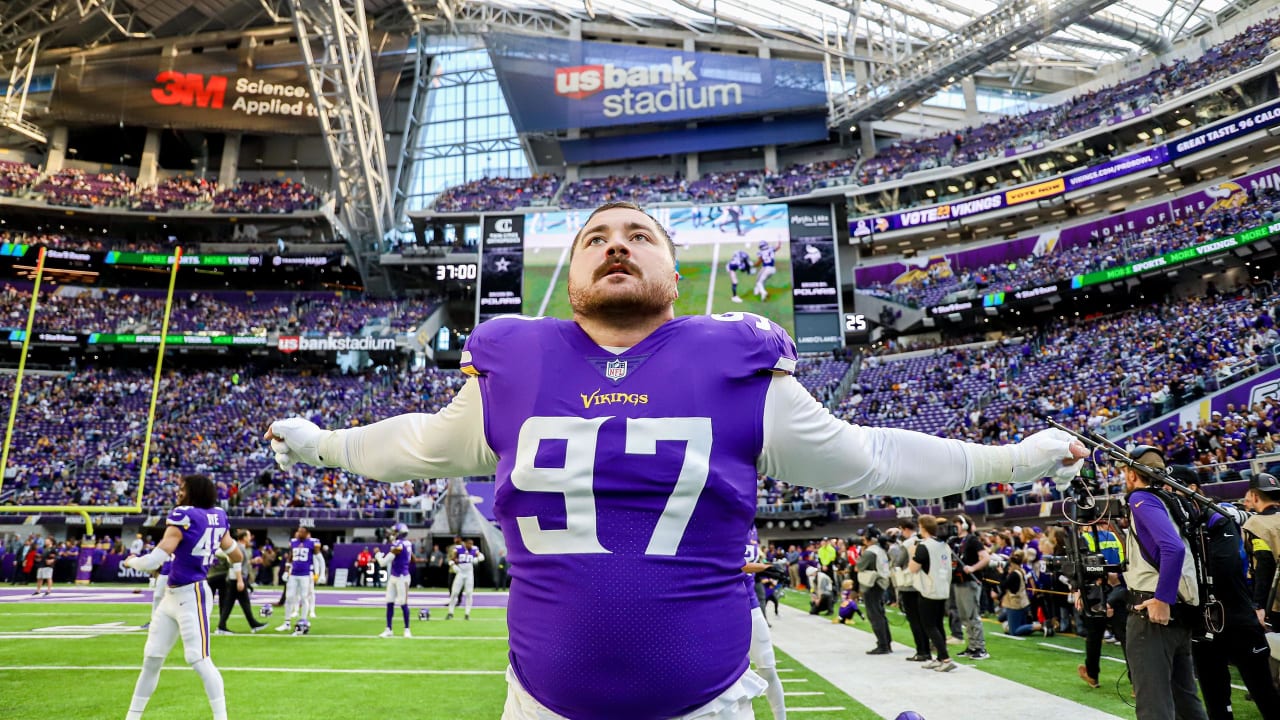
<point>221,312</point>
<point>77,188</point>
<point>934,284</point>
<point>1088,372</point>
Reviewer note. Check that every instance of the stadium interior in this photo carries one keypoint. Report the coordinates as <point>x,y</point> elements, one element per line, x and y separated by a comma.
<point>983,215</point>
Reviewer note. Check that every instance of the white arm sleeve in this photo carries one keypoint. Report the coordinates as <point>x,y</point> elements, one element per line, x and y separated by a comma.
<point>450,443</point>
<point>805,444</point>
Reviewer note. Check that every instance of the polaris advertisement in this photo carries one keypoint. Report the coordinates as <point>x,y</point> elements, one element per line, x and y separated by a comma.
<point>552,84</point>
<point>815,286</point>
<point>501,290</point>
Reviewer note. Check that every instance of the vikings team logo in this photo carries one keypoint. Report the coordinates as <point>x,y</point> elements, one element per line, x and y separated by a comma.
<point>1226,196</point>
<point>615,369</point>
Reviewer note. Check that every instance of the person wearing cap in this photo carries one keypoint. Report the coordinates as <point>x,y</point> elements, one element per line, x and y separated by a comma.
<point>821,589</point>
<point>1262,543</point>
<point>1163,595</point>
<point>1242,641</point>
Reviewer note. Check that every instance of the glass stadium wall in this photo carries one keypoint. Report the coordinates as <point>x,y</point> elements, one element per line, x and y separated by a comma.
<point>468,134</point>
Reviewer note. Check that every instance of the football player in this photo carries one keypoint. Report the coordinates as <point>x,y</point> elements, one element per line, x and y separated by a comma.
<point>397,558</point>
<point>766,258</point>
<point>195,534</point>
<point>300,585</point>
<point>463,563</point>
<point>626,443</point>
<point>740,262</point>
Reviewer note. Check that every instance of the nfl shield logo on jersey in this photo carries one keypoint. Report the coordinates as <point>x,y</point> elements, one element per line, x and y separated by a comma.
<point>615,369</point>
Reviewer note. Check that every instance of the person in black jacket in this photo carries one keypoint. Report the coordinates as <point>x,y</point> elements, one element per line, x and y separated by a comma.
<point>1242,641</point>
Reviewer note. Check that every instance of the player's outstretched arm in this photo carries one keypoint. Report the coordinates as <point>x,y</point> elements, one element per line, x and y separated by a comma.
<point>162,553</point>
<point>805,444</point>
<point>449,443</point>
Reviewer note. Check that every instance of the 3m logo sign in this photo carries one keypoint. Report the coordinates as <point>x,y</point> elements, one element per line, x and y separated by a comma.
<point>190,90</point>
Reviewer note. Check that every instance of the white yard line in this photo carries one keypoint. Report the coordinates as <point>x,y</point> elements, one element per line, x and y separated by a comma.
<point>546,298</point>
<point>224,668</point>
<point>711,285</point>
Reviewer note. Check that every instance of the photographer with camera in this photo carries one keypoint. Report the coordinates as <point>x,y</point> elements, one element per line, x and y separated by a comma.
<point>1262,543</point>
<point>1241,641</point>
<point>971,557</point>
<point>1164,593</point>
<point>1102,603</point>
<point>873,579</point>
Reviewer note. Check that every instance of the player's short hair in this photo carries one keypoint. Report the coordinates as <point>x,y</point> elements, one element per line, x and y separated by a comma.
<point>200,491</point>
<point>624,205</point>
<point>239,534</point>
<point>907,524</point>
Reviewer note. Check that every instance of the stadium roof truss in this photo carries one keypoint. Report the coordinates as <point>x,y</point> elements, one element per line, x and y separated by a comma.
<point>879,53</point>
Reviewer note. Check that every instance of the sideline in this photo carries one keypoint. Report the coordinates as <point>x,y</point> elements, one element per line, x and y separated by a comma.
<point>881,684</point>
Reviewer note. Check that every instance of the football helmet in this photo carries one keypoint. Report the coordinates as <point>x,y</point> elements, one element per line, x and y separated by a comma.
<point>265,611</point>
<point>424,614</point>
<point>399,530</point>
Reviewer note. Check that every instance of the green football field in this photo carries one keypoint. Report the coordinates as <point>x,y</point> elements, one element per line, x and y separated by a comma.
<point>449,670</point>
<point>79,660</point>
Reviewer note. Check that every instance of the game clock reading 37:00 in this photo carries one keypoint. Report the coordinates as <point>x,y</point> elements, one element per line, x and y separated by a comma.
<point>463,271</point>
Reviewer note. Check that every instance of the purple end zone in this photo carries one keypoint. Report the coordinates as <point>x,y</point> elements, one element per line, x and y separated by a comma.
<point>324,597</point>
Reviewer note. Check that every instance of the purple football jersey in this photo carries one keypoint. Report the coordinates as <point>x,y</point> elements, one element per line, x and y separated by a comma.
<point>300,554</point>
<point>465,555</point>
<point>202,532</point>
<point>631,477</point>
<point>400,563</point>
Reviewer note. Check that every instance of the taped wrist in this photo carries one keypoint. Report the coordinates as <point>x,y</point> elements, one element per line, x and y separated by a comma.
<point>990,463</point>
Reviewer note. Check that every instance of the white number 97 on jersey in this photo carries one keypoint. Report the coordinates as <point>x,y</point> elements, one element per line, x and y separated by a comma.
<point>575,481</point>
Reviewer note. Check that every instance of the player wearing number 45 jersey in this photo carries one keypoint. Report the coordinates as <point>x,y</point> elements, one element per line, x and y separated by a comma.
<point>196,533</point>
<point>626,444</point>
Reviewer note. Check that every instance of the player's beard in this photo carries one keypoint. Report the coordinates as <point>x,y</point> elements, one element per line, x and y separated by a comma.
<point>644,298</point>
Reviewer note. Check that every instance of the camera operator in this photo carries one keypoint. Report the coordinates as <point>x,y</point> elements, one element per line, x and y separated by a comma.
<point>1262,543</point>
<point>1101,606</point>
<point>873,579</point>
<point>971,557</point>
<point>1242,641</point>
<point>1164,594</point>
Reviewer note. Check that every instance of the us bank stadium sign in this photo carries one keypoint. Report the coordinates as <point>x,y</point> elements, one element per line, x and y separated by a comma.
<point>553,84</point>
<point>295,343</point>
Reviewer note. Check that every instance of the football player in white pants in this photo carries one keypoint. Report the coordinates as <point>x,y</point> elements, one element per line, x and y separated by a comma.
<point>300,586</point>
<point>196,534</point>
<point>464,564</point>
<point>767,259</point>
<point>397,560</point>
